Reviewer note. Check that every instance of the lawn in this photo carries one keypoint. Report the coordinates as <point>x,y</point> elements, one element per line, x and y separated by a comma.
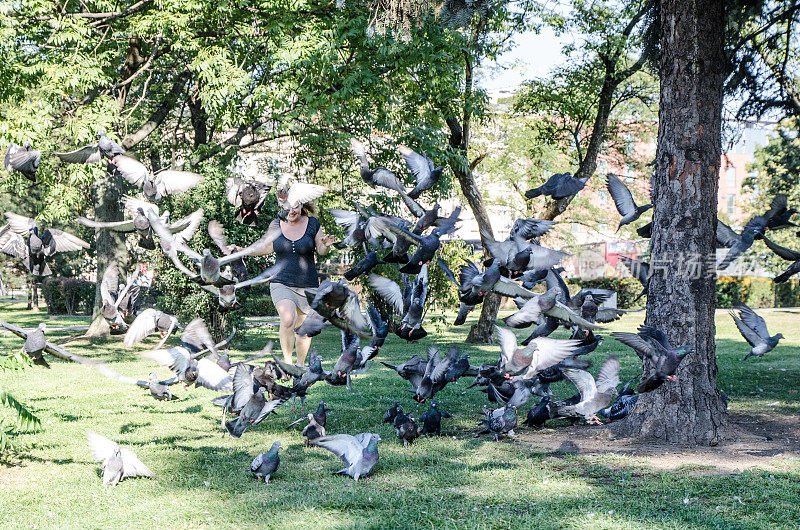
<point>453,481</point>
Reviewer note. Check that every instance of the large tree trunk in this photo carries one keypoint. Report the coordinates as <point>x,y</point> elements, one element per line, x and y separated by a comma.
<point>681,295</point>
<point>110,244</point>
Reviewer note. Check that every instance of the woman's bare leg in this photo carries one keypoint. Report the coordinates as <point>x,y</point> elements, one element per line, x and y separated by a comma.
<point>302,344</point>
<point>287,311</point>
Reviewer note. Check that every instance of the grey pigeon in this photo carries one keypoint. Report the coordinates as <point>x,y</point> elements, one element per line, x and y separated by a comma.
<point>247,195</point>
<point>150,321</point>
<point>547,305</point>
<point>311,431</point>
<point>424,170</point>
<point>408,430</point>
<point>528,361</point>
<point>265,464</point>
<point>155,186</point>
<point>558,186</point>
<point>754,330</point>
<point>623,200</point>
<point>36,343</point>
<point>359,453</point>
<point>23,238</point>
<point>432,419</point>
<point>409,303</point>
<point>595,394</point>
<point>117,462</point>
<point>500,421</point>
<point>651,343</point>
<point>185,362</point>
<point>788,255</point>
<point>24,159</point>
<point>93,153</point>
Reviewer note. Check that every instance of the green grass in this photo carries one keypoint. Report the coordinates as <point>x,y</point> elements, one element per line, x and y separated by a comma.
<point>452,481</point>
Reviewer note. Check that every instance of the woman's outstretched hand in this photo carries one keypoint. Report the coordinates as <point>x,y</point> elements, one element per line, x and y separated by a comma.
<point>328,239</point>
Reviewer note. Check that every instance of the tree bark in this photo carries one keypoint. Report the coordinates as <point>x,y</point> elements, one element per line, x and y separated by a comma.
<point>481,331</point>
<point>681,295</point>
<point>110,245</point>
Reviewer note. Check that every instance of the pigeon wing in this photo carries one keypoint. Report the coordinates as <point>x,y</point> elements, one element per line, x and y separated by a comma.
<point>132,466</point>
<point>623,199</point>
<point>608,375</point>
<point>584,382</point>
<point>19,224</point>
<point>302,192</point>
<point>143,325</point>
<point>753,321</point>
<point>60,241</point>
<point>389,291</point>
<point>346,447</point>
<point>100,446</point>
<point>508,344</point>
<point>88,154</point>
<point>210,375</point>
<point>550,351</point>
<point>782,252</point>
<point>170,182</point>
<point>131,169</point>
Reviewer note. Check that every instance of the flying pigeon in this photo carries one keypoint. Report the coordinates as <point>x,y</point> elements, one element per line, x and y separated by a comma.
<point>24,159</point>
<point>359,453</point>
<point>93,153</point>
<point>754,330</point>
<point>651,343</point>
<point>558,186</point>
<point>149,321</point>
<point>595,394</point>
<point>117,462</point>
<point>21,238</point>
<point>183,359</point>
<point>623,200</point>
<point>424,170</point>
<point>247,195</point>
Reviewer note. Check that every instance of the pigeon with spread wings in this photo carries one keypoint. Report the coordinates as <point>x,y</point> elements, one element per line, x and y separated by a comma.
<point>23,238</point>
<point>185,359</point>
<point>117,462</point>
<point>93,153</point>
<point>23,158</point>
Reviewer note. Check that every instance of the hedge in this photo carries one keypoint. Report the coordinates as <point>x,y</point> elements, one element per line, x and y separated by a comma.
<point>68,296</point>
<point>755,292</point>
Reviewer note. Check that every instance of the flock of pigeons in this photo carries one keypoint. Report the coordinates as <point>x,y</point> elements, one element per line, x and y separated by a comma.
<point>252,391</point>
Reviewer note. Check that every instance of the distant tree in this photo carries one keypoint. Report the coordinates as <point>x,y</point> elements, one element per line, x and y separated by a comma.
<point>582,104</point>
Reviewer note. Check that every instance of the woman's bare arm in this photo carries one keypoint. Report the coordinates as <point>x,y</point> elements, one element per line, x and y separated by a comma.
<point>323,242</point>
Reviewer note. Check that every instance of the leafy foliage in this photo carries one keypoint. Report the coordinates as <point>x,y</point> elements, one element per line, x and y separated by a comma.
<point>23,418</point>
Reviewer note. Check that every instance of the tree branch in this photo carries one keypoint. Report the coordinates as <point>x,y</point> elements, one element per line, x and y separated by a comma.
<point>159,115</point>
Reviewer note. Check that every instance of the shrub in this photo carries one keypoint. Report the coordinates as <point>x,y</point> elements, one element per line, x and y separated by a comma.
<point>729,292</point>
<point>627,289</point>
<point>787,294</point>
<point>68,296</point>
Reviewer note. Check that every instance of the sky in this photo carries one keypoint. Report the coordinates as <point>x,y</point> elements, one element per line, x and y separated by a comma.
<point>535,55</point>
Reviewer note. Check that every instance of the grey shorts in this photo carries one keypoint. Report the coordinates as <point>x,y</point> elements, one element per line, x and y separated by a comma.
<point>296,295</point>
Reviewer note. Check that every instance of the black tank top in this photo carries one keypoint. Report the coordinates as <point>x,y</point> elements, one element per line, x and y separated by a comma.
<point>298,257</point>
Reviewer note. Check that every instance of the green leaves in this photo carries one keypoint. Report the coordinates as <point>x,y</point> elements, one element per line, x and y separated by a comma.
<point>13,361</point>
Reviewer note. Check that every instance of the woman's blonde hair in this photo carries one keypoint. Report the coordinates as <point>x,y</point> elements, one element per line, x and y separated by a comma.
<point>308,209</point>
